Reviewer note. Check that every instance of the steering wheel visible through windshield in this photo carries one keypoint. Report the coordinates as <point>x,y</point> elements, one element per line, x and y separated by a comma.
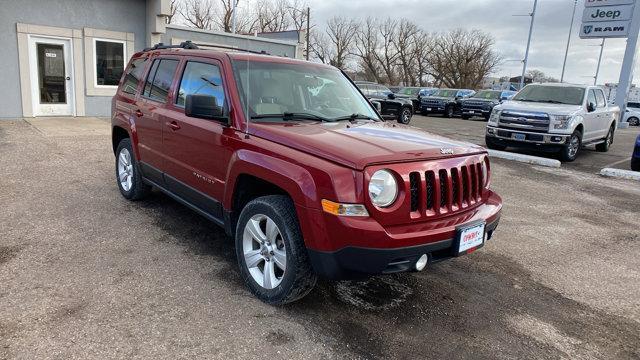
<point>277,91</point>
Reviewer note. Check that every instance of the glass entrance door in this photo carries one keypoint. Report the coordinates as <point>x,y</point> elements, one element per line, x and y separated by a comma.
<point>52,86</point>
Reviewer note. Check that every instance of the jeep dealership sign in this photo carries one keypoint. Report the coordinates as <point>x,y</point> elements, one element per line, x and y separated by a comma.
<point>606,18</point>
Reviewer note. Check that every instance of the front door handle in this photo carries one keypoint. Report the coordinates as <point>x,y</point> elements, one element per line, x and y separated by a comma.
<point>139,113</point>
<point>173,125</point>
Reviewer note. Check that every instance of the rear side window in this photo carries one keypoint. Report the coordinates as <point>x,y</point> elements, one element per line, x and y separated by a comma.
<point>159,79</point>
<point>133,76</point>
<point>600,98</point>
<point>201,79</point>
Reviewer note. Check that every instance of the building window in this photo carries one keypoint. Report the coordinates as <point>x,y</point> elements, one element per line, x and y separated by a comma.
<point>109,61</point>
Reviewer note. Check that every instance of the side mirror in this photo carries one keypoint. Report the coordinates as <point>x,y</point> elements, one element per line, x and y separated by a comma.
<point>391,96</point>
<point>203,106</point>
<point>591,107</point>
<point>376,104</point>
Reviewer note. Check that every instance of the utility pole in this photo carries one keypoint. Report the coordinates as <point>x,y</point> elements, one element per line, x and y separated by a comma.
<point>526,53</point>
<point>233,17</point>
<point>566,52</point>
<point>308,29</point>
<point>595,78</point>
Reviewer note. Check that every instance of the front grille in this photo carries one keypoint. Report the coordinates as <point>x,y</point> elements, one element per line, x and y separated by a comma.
<point>446,190</point>
<point>431,102</point>
<point>474,105</point>
<point>531,121</point>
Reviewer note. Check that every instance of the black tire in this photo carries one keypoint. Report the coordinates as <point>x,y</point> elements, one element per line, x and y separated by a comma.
<point>405,115</point>
<point>635,164</point>
<point>493,145</point>
<point>298,279</point>
<point>486,117</point>
<point>465,117</point>
<point>633,121</point>
<point>567,153</point>
<point>138,189</point>
<point>448,112</point>
<point>604,147</point>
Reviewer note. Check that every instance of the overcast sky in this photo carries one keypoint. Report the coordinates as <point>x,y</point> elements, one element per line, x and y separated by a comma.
<point>548,43</point>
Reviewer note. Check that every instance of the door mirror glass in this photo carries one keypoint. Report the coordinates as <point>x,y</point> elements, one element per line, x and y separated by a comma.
<point>591,107</point>
<point>203,106</point>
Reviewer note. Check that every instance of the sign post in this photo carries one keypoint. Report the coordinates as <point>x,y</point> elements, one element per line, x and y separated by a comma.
<point>614,19</point>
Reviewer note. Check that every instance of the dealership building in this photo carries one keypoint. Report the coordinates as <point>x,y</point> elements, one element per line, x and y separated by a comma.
<point>65,57</point>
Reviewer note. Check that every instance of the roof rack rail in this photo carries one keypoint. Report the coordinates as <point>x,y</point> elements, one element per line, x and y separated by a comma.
<point>193,46</point>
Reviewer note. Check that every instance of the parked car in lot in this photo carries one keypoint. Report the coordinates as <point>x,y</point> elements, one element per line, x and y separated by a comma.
<point>297,166</point>
<point>391,106</point>
<point>632,114</point>
<point>554,117</point>
<point>444,101</point>
<point>635,157</point>
<point>414,94</point>
<point>482,102</point>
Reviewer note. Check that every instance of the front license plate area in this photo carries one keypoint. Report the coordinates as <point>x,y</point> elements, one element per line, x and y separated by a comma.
<point>519,136</point>
<point>471,111</point>
<point>469,236</point>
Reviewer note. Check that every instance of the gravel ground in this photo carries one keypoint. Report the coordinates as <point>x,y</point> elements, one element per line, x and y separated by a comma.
<point>86,274</point>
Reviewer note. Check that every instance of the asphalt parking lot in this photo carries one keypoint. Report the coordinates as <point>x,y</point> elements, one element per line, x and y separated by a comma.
<point>86,274</point>
<point>590,161</point>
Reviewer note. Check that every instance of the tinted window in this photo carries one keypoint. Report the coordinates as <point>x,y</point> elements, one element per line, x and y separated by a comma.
<point>600,98</point>
<point>487,94</point>
<point>133,76</point>
<point>201,79</point>
<point>159,79</point>
<point>365,89</point>
<point>592,97</point>
<point>109,62</point>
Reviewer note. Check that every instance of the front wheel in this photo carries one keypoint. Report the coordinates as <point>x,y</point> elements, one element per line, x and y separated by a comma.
<point>570,151</point>
<point>405,116</point>
<point>604,147</point>
<point>271,253</point>
<point>633,121</point>
<point>128,174</point>
<point>448,112</point>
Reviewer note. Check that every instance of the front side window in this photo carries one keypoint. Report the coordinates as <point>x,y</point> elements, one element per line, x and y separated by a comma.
<point>270,88</point>
<point>109,58</point>
<point>487,94</point>
<point>592,98</point>
<point>201,79</point>
<point>133,76</point>
<point>600,98</point>
<point>159,79</point>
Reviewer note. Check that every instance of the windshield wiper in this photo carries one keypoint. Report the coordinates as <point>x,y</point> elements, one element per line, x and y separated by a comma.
<point>552,101</point>
<point>286,116</point>
<point>353,117</point>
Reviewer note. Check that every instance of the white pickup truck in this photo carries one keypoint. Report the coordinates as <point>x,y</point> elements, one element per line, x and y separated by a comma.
<point>554,118</point>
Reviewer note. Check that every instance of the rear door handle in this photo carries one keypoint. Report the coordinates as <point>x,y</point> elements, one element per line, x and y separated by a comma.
<point>139,113</point>
<point>173,125</point>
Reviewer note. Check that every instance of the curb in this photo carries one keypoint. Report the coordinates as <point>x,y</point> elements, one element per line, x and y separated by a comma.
<point>528,159</point>
<point>622,174</point>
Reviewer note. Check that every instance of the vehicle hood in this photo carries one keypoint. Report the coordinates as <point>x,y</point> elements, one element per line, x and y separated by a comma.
<point>357,145</point>
<point>480,100</point>
<point>439,98</point>
<point>555,109</point>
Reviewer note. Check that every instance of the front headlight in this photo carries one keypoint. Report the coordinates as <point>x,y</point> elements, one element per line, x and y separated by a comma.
<point>484,167</point>
<point>495,116</point>
<point>383,188</point>
<point>560,122</point>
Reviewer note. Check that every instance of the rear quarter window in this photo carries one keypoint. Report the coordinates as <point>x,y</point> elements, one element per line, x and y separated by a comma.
<point>133,75</point>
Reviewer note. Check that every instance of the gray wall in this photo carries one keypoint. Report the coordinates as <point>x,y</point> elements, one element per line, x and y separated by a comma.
<point>115,15</point>
<point>277,48</point>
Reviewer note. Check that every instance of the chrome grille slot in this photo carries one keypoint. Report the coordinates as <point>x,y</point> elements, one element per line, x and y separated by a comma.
<point>430,179</point>
<point>414,187</point>
<point>532,121</point>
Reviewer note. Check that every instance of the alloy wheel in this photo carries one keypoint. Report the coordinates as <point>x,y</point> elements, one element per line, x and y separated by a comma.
<point>125,169</point>
<point>574,145</point>
<point>264,251</point>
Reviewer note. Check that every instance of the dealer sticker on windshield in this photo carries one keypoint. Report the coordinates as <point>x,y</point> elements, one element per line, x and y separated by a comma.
<point>470,236</point>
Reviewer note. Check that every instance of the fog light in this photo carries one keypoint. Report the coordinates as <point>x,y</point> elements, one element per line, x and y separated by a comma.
<point>556,138</point>
<point>490,131</point>
<point>422,262</point>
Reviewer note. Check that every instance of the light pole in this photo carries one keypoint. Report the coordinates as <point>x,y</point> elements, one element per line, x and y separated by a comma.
<point>566,52</point>
<point>233,17</point>
<point>526,53</point>
<point>595,78</point>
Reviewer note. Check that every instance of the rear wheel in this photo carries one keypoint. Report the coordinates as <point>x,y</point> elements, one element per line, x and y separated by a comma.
<point>604,147</point>
<point>128,176</point>
<point>271,253</point>
<point>570,152</point>
<point>405,115</point>
<point>633,121</point>
<point>448,112</point>
<point>491,144</point>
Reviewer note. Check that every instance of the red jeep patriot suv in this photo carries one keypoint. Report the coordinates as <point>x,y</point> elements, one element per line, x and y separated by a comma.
<point>296,165</point>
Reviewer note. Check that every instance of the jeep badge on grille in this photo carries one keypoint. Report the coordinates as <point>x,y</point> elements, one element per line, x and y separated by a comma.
<point>446,151</point>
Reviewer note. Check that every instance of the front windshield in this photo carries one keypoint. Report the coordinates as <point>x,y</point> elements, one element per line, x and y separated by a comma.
<point>487,94</point>
<point>409,91</point>
<point>268,88</point>
<point>446,93</point>
<point>551,94</point>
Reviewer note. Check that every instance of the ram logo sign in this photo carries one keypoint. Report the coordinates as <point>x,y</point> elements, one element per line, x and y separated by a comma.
<point>605,29</point>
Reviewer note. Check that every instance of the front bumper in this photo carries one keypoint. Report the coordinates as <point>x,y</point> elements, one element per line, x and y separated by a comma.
<point>509,136</point>
<point>475,112</point>
<point>350,247</point>
<point>432,108</point>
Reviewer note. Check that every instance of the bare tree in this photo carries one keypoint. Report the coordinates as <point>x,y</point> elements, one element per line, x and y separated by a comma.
<point>272,15</point>
<point>366,45</point>
<point>388,56</point>
<point>320,47</point>
<point>341,35</point>
<point>224,17</point>
<point>173,9</point>
<point>405,45</point>
<point>462,58</point>
<point>199,13</point>
<point>538,76</point>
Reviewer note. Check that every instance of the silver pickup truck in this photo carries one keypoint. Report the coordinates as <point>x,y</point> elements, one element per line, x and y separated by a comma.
<point>558,118</point>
